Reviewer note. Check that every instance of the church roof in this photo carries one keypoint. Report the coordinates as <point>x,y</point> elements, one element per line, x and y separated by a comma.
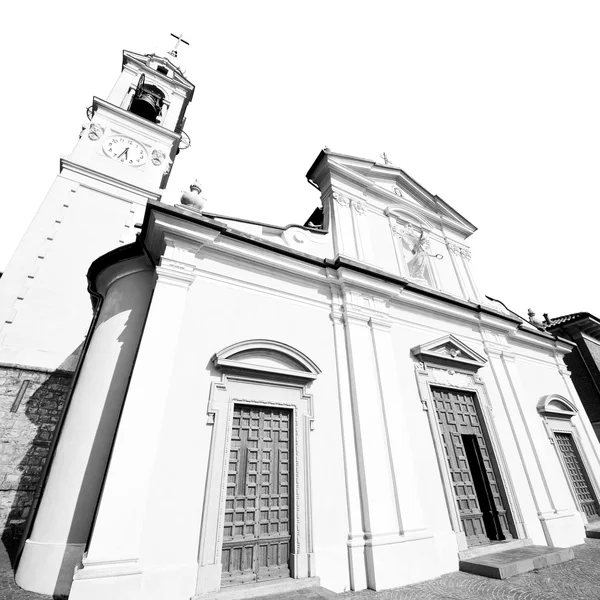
<point>581,321</point>
<point>568,318</point>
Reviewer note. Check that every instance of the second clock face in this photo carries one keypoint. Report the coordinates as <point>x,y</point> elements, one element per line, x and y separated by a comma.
<point>126,150</point>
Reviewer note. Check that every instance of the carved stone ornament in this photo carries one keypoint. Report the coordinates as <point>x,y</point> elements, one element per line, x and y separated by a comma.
<point>406,229</point>
<point>459,250</point>
<point>398,191</point>
<point>192,199</point>
<point>359,207</point>
<point>95,132</point>
<point>341,199</point>
<point>451,378</point>
<point>449,350</point>
<point>158,156</point>
<point>169,164</point>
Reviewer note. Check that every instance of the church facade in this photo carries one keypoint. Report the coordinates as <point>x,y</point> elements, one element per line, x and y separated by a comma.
<point>335,400</point>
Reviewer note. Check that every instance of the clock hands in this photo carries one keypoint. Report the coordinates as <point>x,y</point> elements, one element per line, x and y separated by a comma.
<point>124,153</point>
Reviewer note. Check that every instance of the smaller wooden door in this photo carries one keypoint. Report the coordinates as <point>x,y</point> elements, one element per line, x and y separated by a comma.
<point>257,532</point>
<point>577,475</point>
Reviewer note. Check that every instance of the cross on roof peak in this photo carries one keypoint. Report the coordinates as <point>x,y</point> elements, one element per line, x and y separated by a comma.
<point>179,39</point>
<point>386,160</point>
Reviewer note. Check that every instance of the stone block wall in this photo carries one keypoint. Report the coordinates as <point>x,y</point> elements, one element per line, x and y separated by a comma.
<point>31,402</point>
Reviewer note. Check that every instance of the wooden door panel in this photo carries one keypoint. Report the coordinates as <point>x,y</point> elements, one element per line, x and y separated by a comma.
<point>458,416</point>
<point>577,475</point>
<point>256,531</point>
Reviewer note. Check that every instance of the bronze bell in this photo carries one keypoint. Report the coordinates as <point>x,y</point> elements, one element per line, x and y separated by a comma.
<point>147,103</point>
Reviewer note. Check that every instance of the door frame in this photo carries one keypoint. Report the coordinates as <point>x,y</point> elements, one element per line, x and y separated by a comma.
<point>449,363</point>
<point>557,413</point>
<point>261,373</point>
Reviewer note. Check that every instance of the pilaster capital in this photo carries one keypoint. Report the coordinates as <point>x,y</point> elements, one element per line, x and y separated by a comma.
<point>359,206</point>
<point>380,324</point>
<point>175,273</point>
<point>177,264</point>
<point>341,199</point>
<point>336,315</point>
<point>508,357</point>
<point>459,250</point>
<point>355,317</point>
<point>497,351</point>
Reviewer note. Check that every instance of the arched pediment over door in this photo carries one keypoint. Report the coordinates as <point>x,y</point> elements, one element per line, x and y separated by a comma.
<point>556,406</point>
<point>261,416</point>
<point>266,358</point>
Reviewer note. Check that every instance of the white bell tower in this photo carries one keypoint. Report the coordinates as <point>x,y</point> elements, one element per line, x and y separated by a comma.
<point>123,158</point>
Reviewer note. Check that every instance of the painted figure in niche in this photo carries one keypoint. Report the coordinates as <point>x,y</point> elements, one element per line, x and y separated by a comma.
<point>420,250</point>
<point>415,244</point>
<point>416,247</point>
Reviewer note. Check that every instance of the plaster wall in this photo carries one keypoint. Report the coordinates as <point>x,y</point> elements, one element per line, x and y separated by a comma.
<point>231,300</point>
<point>376,227</point>
<point>539,379</point>
<point>243,314</point>
<point>45,307</point>
<point>412,328</point>
<point>228,304</point>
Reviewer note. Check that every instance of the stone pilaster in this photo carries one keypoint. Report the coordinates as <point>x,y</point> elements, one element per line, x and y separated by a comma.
<point>120,512</point>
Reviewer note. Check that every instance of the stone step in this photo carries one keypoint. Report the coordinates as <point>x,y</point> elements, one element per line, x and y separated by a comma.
<point>507,563</point>
<point>592,530</point>
<point>493,548</point>
<point>308,588</point>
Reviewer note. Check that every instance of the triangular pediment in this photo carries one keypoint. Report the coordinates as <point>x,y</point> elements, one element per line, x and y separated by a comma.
<point>392,186</point>
<point>449,350</point>
<point>146,59</point>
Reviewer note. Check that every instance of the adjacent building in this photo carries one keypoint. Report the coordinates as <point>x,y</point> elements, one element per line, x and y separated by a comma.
<point>584,361</point>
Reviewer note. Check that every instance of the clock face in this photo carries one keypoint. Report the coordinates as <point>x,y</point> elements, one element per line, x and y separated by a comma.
<point>125,150</point>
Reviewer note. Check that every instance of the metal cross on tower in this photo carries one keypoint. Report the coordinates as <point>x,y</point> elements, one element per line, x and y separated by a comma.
<point>179,39</point>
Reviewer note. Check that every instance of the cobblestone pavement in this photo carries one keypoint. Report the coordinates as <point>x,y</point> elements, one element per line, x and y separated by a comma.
<point>578,579</point>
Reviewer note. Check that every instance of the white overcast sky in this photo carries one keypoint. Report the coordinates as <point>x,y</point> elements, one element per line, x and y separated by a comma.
<point>493,106</point>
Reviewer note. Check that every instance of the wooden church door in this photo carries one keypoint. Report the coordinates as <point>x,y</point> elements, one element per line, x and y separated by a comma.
<point>257,531</point>
<point>474,479</point>
<point>577,475</point>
